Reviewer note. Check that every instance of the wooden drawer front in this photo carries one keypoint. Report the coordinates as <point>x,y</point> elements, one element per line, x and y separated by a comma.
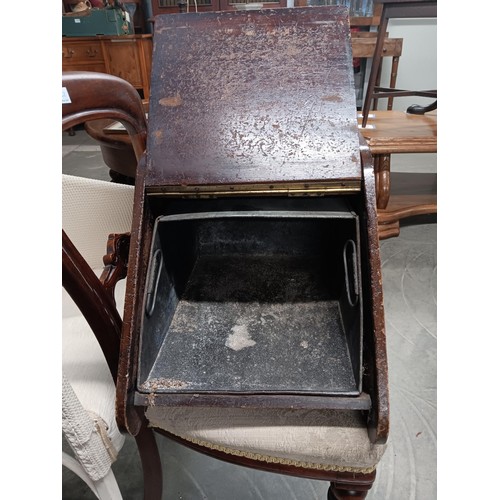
<point>86,52</point>
<point>99,67</point>
<point>124,61</point>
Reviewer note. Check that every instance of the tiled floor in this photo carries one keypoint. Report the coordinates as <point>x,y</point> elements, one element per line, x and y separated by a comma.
<point>408,468</point>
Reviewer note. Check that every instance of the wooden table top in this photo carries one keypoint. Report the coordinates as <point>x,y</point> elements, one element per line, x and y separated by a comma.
<point>252,98</point>
<point>392,131</point>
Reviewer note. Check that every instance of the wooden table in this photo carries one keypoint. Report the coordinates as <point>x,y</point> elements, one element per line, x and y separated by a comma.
<point>401,195</point>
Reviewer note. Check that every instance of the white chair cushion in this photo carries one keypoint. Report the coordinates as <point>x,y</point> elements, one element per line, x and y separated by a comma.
<point>85,365</point>
<point>86,434</point>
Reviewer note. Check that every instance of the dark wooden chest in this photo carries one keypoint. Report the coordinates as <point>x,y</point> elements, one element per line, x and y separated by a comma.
<point>254,273</point>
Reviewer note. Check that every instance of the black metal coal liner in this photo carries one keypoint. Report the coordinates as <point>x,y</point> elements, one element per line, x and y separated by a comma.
<point>253,302</point>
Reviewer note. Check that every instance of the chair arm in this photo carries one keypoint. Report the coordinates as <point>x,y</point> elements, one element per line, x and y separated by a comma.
<point>94,302</point>
<point>115,262</point>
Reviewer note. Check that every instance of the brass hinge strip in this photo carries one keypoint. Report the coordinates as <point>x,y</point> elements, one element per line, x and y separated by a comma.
<point>302,189</point>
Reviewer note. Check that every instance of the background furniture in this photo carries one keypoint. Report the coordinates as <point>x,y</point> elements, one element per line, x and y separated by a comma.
<point>363,46</point>
<point>396,9</point>
<point>125,56</point>
<point>175,6</point>
<point>401,195</point>
<point>136,7</point>
<point>116,148</point>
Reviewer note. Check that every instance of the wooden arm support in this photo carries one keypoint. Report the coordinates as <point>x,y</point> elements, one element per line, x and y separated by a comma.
<point>115,262</point>
<point>94,302</point>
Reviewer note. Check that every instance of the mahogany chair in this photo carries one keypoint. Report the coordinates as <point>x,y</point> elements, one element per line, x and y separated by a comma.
<point>92,318</point>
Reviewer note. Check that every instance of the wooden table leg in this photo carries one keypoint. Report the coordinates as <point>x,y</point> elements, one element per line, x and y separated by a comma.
<point>383,179</point>
<point>388,230</point>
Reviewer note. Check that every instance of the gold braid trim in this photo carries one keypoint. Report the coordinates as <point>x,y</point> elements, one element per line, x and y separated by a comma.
<point>277,460</point>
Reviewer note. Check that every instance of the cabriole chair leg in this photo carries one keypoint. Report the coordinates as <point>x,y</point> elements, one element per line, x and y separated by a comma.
<point>351,489</point>
<point>339,494</point>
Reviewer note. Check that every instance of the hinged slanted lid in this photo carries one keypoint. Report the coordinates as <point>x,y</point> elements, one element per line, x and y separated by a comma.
<point>253,100</point>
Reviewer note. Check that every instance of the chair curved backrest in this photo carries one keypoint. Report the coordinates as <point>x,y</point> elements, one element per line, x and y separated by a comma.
<point>94,96</point>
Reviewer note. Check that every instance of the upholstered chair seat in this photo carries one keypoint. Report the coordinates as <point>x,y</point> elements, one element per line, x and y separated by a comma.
<point>316,439</point>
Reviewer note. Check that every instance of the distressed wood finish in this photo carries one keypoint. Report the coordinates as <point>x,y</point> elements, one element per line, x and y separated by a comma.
<point>128,415</point>
<point>224,84</point>
<point>160,170</point>
<point>117,151</point>
<point>376,367</point>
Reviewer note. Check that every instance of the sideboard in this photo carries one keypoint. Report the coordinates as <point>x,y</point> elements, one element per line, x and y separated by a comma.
<point>126,56</point>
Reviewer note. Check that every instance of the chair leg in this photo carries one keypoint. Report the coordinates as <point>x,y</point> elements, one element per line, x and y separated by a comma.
<point>337,492</point>
<point>74,466</point>
<point>351,486</point>
<point>104,489</point>
<point>151,463</point>
<point>107,487</point>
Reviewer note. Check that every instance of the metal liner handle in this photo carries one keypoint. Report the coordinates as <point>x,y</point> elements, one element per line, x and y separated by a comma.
<point>154,279</point>
<point>354,272</point>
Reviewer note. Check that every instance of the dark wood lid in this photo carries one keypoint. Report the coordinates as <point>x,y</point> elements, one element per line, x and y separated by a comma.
<point>242,99</point>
